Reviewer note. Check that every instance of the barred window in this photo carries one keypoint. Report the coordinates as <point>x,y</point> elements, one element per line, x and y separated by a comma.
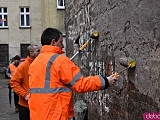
<point>23,48</point>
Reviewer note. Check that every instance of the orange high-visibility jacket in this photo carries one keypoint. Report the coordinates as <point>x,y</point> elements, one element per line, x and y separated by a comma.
<point>52,78</point>
<point>20,81</point>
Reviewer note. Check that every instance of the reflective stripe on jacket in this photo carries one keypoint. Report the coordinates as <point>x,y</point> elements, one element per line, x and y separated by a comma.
<point>52,79</point>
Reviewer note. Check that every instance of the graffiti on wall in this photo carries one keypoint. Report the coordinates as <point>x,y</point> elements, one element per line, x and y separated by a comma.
<point>93,59</point>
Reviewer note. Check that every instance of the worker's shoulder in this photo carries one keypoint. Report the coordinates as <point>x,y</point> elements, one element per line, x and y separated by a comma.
<point>11,65</point>
<point>61,58</point>
<point>23,65</point>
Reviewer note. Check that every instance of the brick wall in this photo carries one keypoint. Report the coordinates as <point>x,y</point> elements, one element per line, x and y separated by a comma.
<point>127,28</point>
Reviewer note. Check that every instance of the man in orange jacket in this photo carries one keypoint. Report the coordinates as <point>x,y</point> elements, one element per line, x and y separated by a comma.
<point>53,77</point>
<point>20,82</point>
<point>10,71</point>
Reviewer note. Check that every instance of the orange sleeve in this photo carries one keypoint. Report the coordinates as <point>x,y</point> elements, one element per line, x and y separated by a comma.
<point>72,77</point>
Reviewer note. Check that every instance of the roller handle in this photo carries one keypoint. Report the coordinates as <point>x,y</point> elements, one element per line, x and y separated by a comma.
<point>83,46</point>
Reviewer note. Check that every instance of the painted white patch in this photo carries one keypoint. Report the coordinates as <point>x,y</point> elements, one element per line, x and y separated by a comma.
<point>106,109</point>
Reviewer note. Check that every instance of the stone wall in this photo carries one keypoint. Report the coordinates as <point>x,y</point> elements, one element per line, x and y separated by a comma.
<point>127,28</point>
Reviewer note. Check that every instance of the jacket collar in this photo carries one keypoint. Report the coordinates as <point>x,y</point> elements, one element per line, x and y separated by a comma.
<point>49,48</point>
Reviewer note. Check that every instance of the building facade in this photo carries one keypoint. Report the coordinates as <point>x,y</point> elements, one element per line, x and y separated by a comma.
<point>22,22</point>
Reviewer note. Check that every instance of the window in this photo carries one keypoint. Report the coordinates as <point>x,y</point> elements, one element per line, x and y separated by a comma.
<point>60,4</point>
<point>4,55</point>
<point>23,50</point>
<point>24,17</point>
<point>3,18</point>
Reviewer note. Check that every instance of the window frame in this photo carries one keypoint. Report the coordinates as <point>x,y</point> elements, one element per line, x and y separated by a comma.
<point>61,7</point>
<point>25,14</point>
<point>3,19</point>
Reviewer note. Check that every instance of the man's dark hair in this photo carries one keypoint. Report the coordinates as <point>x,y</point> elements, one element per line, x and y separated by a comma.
<point>17,57</point>
<point>49,34</point>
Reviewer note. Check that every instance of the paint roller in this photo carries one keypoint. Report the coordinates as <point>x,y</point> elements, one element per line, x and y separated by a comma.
<point>93,35</point>
<point>126,62</point>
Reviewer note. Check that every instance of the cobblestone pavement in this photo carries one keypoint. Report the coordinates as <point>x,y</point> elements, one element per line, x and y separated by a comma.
<point>6,111</point>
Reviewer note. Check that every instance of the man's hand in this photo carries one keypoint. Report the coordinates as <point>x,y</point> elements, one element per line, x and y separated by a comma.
<point>27,97</point>
<point>112,80</point>
<point>10,76</point>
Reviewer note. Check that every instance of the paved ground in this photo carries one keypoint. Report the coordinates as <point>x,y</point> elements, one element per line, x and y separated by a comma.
<point>6,111</point>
